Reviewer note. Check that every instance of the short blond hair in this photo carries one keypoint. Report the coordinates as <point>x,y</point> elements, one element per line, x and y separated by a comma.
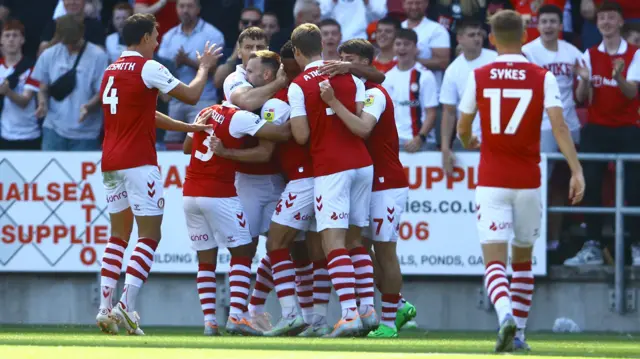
<point>268,58</point>
<point>507,27</point>
<point>307,38</point>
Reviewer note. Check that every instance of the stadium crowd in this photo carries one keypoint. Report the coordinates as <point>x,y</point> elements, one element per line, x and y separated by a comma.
<point>51,74</point>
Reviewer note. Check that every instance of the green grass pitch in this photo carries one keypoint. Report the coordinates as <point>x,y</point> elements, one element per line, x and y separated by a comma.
<point>81,342</point>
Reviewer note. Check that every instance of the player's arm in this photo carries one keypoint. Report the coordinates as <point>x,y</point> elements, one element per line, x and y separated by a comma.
<point>362,125</point>
<point>252,98</point>
<point>299,122</point>
<point>468,108</point>
<point>259,154</point>
<point>553,106</point>
<point>190,94</point>
<point>187,144</point>
<point>165,122</point>
<point>149,9</point>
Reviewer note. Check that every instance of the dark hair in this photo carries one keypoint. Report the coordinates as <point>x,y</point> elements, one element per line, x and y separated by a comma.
<point>507,27</point>
<point>136,26</point>
<point>551,9</point>
<point>286,51</point>
<point>388,20</point>
<point>13,24</point>
<point>358,47</point>
<point>253,33</point>
<point>329,22</point>
<point>251,8</point>
<point>268,58</point>
<point>123,6</point>
<point>610,6</point>
<point>465,24</point>
<point>407,34</point>
<point>69,29</point>
<point>307,39</point>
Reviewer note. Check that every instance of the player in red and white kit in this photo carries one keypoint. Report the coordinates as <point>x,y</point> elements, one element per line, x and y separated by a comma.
<point>214,214</point>
<point>130,171</point>
<point>377,126</point>
<point>342,183</point>
<point>511,95</point>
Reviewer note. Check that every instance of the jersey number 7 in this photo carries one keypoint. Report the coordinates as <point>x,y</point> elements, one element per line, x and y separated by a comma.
<point>495,97</point>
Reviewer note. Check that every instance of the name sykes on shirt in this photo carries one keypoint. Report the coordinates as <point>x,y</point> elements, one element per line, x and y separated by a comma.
<point>508,74</point>
<point>122,66</point>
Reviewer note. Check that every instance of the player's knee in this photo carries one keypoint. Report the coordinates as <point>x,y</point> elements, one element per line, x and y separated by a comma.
<point>245,250</point>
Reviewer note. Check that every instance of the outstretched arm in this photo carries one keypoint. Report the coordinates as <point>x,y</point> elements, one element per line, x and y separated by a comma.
<point>260,154</point>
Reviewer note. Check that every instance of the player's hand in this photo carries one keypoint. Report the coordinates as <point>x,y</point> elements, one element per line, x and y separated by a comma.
<point>332,68</point>
<point>576,188</point>
<point>42,109</point>
<point>474,143</point>
<point>216,145</point>
<point>618,67</point>
<point>210,56</point>
<point>281,76</point>
<point>200,124</point>
<point>326,92</point>
<point>580,69</point>
<point>84,111</point>
<point>448,160</point>
<point>414,145</point>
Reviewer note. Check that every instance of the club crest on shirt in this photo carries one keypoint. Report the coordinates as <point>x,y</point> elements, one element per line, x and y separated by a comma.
<point>269,114</point>
<point>414,87</point>
<point>369,101</point>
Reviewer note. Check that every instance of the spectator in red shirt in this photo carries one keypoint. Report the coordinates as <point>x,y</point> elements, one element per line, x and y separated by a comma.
<point>164,11</point>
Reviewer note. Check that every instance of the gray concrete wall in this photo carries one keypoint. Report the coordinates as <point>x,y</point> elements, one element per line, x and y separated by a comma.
<point>443,303</point>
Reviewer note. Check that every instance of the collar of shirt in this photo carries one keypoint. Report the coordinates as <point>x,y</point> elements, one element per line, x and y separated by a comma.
<point>316,63</point>
<point>229,104</point>
<point>511,58</point>
<point>241,70</point>
<point>130,53</point>
<point>621,49</point>
<point>196,28</point>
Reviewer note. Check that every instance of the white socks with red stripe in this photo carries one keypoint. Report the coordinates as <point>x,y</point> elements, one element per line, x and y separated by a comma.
<point>343,279</point>
<point>111,269</point>
<point>206,283</point>
<point>321,291</point>
<point>137,271</point>
<point>522,284</point>
<point>304,289</point>
<point>497,286</point>
<point>284,277</point>
<point>263,286</point>
<point>363,269</point>
<point>389,309</point>
<point>239,284</point>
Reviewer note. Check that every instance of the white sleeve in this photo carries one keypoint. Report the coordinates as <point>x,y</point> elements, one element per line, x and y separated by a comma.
<point>154,75</point>
<point>633,73</point>
<point>440,38</point>
<point>586,59</point>
<point>296,101</point>
<point>551,91</point>
<point>375,103</point>
<point>276,111</point>
<point>428,90</point>
<point>245,123</point>
<point>360,90</point>
<point>448,91</point>
<point>233,82</point>
<point>468,102</point>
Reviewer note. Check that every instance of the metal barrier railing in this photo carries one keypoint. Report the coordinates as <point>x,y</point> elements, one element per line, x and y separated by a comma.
<point>619,211</point>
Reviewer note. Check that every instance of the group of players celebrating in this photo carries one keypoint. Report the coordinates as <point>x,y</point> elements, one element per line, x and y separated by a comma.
<point>318,172</point>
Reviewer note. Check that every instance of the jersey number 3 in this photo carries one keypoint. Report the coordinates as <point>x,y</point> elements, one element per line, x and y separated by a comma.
<point>495,97</point>
<point>110,96</point>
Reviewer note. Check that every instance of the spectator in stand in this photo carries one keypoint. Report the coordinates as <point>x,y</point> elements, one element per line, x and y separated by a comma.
<point>19,129</point>
<point>632,33</point>
<point>588,9</point>
<point>249,17</point>
<point>93,30</point>
<point>92,9</point>
<point>114,43</point>
<point>414,91</point>
<point>270,24</point>
<point>386,30</point>
<point>72,122</point>
<point>181,44</point>
<point>434,42</point>
<point>304,11</point>
<point>608,83</point>
<point>164,11</point>
<point>353,15</point>
<point>34,21</point>
<point>331,39</point>
<point>470,37</point>
<point>529,11</point>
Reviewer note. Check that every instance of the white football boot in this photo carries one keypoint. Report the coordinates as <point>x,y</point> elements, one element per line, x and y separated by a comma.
<point>106,321</point>
<point>130,320</point>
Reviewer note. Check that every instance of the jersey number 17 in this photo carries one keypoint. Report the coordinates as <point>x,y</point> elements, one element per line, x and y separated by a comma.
<point>495,96</point>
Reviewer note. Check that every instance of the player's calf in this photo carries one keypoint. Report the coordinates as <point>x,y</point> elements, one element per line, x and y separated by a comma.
<point>304,279</point>
<point>206,284</point>
<point>522,286</point>
<point>239,321</point>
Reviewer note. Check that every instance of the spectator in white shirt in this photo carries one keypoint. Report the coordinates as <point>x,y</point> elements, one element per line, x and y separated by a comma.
<point>353,15</point>
<point>114,43</point>
<point>331,39</point>
<point>433,39</point>
<point>414,91</point>
<point>181,44</point>
<point>470,37</point>
<point>19,128</point>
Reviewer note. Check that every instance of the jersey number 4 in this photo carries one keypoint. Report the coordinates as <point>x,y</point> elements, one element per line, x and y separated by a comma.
<point>495,97</point>
<point>110,96</point>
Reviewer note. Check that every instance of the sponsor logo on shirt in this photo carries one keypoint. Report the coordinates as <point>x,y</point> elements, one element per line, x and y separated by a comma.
<point>369,101</point>
<point>269,115</point>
